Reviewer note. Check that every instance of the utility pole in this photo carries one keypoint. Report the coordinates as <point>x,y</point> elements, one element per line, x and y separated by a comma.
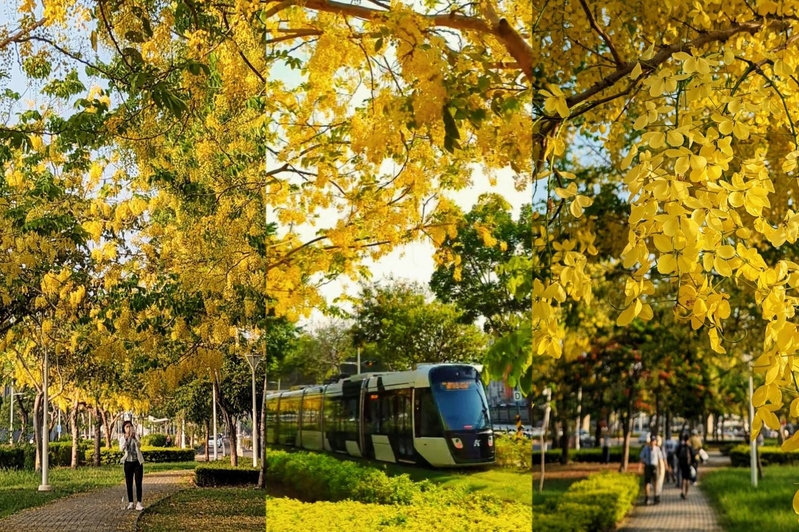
<point>213,386</point>
<point>753,441</point>
<point>253,360</point>
<point>45,447</point>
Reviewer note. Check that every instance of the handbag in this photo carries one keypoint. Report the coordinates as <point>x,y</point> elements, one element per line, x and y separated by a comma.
<point>693,473</point>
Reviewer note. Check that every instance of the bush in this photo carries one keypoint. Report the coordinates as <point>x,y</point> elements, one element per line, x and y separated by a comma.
<point>154,440</point>
<point>739,456</point>
<point>150,454</point>
<point>514,453</point>
<point>60,453</point>
<point>595,504</point>
<point>12,457</point>
<point>288,514</point>
<point>593,455</point>
<point>322,477</point>
<point>212,475</point>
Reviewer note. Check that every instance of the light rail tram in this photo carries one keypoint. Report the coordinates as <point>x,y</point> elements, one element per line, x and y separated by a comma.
<point>435,415</point>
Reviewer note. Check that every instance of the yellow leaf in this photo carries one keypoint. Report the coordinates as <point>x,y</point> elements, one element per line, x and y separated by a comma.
<point>636,71</point>
<point>796,502</point>
<point>760,396</point>
<point>675,138</point>
<point>657,140</point>
<point>641,122</point>
<point>628,314</point>
<point>667,264</point>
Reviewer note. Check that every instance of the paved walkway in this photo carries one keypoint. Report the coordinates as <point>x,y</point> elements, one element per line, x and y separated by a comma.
<point>95,511</point>
<point>693,514</point>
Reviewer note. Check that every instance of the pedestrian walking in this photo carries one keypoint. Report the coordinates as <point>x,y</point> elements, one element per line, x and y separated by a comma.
<point>696,445</point>
<point>132,461</point>
<point>670,448</point>
<point>686,458</point>
<point>663,467</point>
<point>650,459</point>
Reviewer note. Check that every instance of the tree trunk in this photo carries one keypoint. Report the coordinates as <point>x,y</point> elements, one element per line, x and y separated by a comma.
<point>37,429</point>
<point>24,416</point>
<point>262,439</point>
<point>207,436</point>
<point>98,435</point>
<point>73,425</point>
<point>564,441</point>
<point>230,421</point>
<point>668,425</point>
<point>109,426</point>
<point>627,428</point>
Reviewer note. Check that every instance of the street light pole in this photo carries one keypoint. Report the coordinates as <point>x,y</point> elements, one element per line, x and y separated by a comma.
<point>253,360</point>
<point>216,445</point>
<point>45,447</point>
<point>753,441</point>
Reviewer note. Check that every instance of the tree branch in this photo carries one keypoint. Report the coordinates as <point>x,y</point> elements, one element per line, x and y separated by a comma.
<point>514,43</point>
<point>605,37</point>
<point>15,37</point>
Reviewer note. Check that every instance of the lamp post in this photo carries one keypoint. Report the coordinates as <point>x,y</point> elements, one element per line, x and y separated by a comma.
<point>45,427</point>
<point>213,402</point>
<point>11,426</point>
<point>253,359</point>
<point>753,441</point>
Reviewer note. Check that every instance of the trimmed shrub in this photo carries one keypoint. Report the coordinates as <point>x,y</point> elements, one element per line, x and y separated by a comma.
<point>288,514</point>
<point>583,456</point>
<point>150,454</point>
<point>739,456</point>
<point>154,440</point>
<point>322,477</point>
<point>12,457</point>
<point>60,453</point>
<point>212,475</point>
<point>595,504</point>
<point>514,453</point>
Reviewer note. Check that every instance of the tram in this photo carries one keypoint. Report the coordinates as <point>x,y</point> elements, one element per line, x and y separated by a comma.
<point>435,415</point>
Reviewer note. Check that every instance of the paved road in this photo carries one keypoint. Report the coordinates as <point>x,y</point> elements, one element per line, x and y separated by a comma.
<point>95,511</point>
<point>693,514</point>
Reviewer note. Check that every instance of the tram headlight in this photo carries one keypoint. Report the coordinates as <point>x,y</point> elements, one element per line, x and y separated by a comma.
<point>457,443</point>
<point>490,440</point>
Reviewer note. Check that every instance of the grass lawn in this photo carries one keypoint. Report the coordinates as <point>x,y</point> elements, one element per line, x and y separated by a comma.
<point>743,508</point>
<point>18,489</point>
<point>221,509</point>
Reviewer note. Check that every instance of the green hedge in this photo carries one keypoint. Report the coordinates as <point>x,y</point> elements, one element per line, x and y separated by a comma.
<point>150,454</point>
<point>319,477</point>
<point>593,455</point>
<point>211,475</point>
<point>739,456</point>
<point>12,457</point>
<point>24,456</point>
<point>513,453</point>
<point>154,440</point>
<point>595,504</point>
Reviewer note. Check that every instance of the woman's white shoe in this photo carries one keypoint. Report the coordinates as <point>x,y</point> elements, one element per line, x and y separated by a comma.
<point>130,506</point>
<point>139,507</point>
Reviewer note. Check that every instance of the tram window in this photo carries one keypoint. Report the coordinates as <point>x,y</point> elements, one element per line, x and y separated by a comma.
<point>404,412</point>
<point>387,413</point>
<point>271,420</point>
<point>350,418</point>
<point>429,425</point>
<point>310,412</point>
<point>371,414</point>
<point>332,414</point>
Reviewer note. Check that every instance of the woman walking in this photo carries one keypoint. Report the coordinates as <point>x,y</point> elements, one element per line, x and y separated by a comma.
<point>663,466</point>
<point>133,462</point>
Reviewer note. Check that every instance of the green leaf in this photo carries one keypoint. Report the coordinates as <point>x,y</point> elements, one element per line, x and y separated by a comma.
<point>134,36</point>
<point>378,44</point>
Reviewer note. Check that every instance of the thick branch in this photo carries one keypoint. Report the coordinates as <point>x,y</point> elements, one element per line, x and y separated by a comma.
<point>605,37</point>
<point>663,56</point>
<point>14,37</point>
<point>514,43</point>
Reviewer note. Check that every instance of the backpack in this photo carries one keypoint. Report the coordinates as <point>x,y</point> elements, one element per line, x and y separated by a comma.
<point>684,455</point>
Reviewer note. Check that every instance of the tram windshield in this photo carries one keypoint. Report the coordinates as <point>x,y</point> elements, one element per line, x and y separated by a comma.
<point>460,397</point>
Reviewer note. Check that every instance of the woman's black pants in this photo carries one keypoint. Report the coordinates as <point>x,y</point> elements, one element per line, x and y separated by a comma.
<point>133,468</point>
